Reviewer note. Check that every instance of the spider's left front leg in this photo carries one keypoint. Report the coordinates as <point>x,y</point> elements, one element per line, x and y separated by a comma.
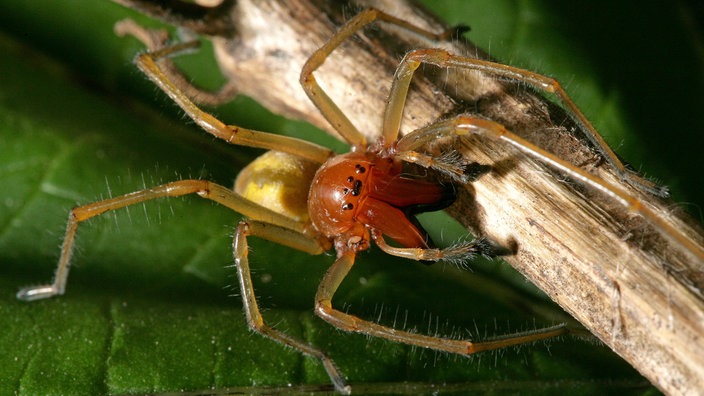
<point>443,59</point>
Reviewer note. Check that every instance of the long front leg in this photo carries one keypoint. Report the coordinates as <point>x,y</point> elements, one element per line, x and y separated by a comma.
<point>339,270</point>
<point>441,58</point>
<point>465,125</point>
<point>254,318</point>
<point>458,253</point>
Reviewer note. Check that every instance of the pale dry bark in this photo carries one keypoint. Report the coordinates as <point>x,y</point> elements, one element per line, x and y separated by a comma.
<point>638,292</point>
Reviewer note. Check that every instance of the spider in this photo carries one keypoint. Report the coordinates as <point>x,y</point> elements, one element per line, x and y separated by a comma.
<point>344,202</point>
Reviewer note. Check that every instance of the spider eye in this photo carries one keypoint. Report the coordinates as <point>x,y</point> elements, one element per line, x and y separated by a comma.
<point>356,187</point>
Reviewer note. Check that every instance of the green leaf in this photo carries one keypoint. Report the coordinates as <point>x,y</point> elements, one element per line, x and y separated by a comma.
<point>150,306</point>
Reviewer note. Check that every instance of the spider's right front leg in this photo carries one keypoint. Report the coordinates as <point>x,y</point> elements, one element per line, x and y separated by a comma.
<point>255,320</point>
<point>467,125</point>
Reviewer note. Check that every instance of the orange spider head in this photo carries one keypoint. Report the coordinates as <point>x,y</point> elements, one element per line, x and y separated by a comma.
<point>355,193</point>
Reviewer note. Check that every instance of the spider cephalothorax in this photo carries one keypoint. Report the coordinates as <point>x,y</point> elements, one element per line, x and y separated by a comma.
<point>356,192</point>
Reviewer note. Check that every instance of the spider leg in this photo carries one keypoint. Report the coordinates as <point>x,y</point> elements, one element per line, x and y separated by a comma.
<point>316,94</point>
<point>449,163</point>
<point>339,270</point>
<point>255,320</point>
<point>147,62</point>
<point>441,58</point>
<point>464,125</point>
<point>155,39</point>
<point>202,188</point>
<point>459,252</point>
